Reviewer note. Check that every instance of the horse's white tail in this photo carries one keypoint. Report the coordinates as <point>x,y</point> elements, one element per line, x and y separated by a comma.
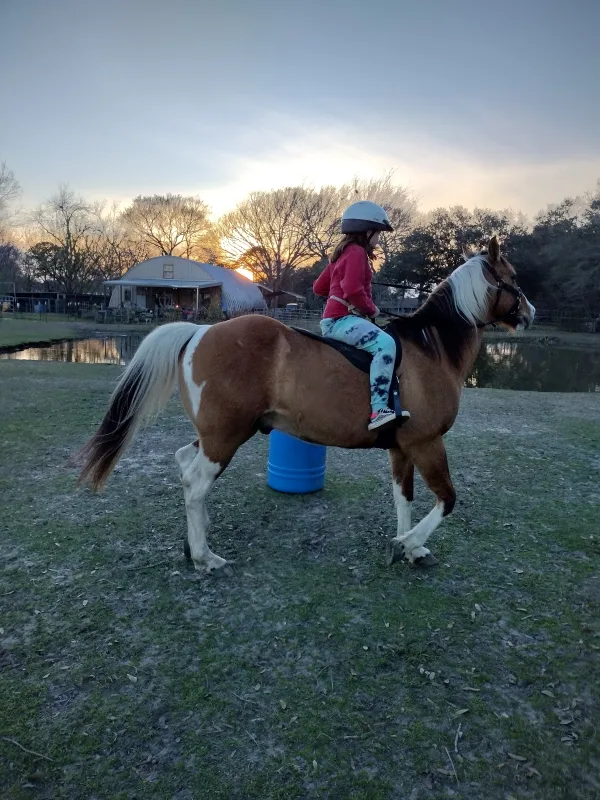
<point>142,392</point>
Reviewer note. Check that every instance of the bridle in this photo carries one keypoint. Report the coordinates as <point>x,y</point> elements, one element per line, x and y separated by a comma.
<point>501,286</point>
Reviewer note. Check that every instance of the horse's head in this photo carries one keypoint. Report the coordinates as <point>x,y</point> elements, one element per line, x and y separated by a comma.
<point>509,307</point>
<point>485,290</point>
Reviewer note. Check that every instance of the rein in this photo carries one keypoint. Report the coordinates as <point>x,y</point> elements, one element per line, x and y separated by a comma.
<point>501,285</point>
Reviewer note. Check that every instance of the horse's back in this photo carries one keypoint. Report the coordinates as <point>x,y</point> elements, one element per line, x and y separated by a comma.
<point>254,368</point>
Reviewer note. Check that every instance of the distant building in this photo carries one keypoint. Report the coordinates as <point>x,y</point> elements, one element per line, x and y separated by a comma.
<point>281,297</point>
<point>172,282</point>
<point>400,305</point>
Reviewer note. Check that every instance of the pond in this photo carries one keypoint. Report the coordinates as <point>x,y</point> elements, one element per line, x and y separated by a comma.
<point>536,368</point>
<point>500,365</point>
<point>100,350</point>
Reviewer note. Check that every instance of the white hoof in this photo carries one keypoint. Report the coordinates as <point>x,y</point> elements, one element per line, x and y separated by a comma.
<point>421,557</point>
<point>418,556</point>
<point>215,566</point>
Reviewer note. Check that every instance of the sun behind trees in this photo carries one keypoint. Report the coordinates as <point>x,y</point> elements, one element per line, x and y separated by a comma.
<point>277,234</point>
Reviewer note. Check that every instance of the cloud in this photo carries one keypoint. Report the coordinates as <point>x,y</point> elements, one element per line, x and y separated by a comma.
<point>284,151</point>
<point>277,150</point>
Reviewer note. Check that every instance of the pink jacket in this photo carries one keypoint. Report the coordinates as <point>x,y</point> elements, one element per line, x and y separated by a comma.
<point>349,278</point>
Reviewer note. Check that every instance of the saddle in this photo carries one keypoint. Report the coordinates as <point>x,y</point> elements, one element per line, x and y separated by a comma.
<point>362,360</point>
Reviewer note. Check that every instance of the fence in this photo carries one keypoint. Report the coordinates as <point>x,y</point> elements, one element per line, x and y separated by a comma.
<point>298,319</point>
<point>565,320</point>
<point>568,320</point>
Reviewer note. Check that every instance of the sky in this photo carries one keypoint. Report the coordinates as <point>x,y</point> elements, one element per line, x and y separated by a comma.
<point>469,102</point>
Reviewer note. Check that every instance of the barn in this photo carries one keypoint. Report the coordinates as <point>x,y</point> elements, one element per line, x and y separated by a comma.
<point>170,282</point>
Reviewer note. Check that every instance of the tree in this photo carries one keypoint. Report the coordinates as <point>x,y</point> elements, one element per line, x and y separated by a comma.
<point>67,255</point>
<point>171,225</point>
<point>28,280</point>
<point>10,257</point>
<point>435,247</point>
<point>585,280</point>
<point>567,239</point>
<point>399,204</point>
<point>322,218</point>
<point>275,234</point>
<point>116,250</point>
<point>9,191</point>
<point>324,208</point>
<point>267,234</point>
<point>303,282</point>
<point>559,259</point>
<point>46,257</point>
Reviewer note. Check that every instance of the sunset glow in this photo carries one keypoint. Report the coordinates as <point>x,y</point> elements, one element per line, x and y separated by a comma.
<point>246,273</point>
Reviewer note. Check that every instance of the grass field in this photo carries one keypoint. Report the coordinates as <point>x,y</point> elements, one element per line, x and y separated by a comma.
<point>315,672</point>
<point>16,332</point>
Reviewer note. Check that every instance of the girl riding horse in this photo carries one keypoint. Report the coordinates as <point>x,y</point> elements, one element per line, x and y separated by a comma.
<point>255,374</point>
<point>350,311</point>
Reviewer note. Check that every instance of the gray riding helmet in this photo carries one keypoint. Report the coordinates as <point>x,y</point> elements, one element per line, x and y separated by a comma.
<point>365,216</point>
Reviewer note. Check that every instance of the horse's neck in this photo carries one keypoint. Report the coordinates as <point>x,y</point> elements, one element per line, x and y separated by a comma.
<point>472,349</point>
<point>470,346</point>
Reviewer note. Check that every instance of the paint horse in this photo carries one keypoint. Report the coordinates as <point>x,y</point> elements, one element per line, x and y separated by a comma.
<point>255,374</point>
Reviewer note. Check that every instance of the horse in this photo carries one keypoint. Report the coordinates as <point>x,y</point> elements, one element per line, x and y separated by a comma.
<point>253,373</point>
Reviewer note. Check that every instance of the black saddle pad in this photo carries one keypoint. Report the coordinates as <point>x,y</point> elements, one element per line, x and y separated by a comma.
<point>359,358</point>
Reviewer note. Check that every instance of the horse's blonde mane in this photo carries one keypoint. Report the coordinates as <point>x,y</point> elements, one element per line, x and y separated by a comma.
<point>462,298</point>
<point>470,289</point>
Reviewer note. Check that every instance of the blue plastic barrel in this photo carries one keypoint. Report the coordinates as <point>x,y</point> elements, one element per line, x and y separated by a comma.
<point>295,467</point>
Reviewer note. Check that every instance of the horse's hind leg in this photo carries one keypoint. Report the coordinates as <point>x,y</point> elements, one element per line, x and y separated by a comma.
<point>432,463</point>
<point>198,473</point>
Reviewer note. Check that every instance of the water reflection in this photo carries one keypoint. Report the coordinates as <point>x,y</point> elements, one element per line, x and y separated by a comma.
<point>531,367</point>
<point>501,365</point>
<point>113,350</point>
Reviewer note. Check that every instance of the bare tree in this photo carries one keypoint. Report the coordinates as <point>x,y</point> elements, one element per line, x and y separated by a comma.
<point>400,205</point>
<point>324,208</point>
<point>9,191</point>
<point>116,249</point>
<point>275,233</point>
<point>322,217</point>
<point>267,234</point>
<point>171,225</point>
<point>67,252</point>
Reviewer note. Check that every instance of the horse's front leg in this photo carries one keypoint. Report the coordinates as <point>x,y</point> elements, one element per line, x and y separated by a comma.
<point>432,463</point>
<point>403,472</point>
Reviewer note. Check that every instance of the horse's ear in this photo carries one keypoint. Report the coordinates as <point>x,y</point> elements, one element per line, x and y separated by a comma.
<point>493,250</point>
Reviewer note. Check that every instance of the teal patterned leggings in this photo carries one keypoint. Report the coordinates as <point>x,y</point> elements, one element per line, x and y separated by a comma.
<point>366,336</point>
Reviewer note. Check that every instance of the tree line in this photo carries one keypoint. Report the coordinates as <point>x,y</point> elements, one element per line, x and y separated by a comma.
<point>283,237</point>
